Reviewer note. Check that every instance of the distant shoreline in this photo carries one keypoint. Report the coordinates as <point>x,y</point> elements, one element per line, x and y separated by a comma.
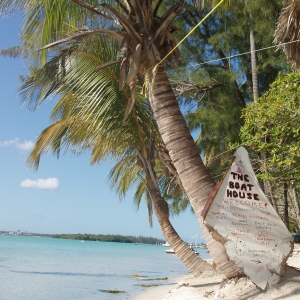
<point>20,233</point>
<point>117,238</point>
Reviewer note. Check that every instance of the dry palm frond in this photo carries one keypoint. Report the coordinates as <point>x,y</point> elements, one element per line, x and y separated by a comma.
<point>145,38</point>
<point>288,30</point>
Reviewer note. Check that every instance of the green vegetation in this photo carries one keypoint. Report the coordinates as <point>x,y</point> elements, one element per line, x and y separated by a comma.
<point>272,127</point>
<point>109,238</point>
<point>215,93</point>
<point>111,291</point>
<point>271,132</point>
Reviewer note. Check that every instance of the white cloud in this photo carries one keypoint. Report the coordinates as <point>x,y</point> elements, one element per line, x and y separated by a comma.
<point>49,184</point>
<point>26,145</point>
<point>8,143</point>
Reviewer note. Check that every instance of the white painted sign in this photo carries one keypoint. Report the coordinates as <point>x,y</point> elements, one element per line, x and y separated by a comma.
<point>258,240</point>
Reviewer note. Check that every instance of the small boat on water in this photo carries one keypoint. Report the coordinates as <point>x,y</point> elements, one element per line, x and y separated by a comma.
<point>166,244</point>
<point>170,251</point>
<point>201,246</point>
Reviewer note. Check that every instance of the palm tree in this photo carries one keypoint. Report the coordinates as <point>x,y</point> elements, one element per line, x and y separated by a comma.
<point>287,34</point>
<point>146,35</point>
<point>103,133</point>
<point>148,184</point>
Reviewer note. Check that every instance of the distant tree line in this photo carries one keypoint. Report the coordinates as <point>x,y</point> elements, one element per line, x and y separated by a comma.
<point>109,238</point>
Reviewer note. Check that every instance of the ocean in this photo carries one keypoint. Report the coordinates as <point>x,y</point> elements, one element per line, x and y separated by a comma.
<point>47,268</point>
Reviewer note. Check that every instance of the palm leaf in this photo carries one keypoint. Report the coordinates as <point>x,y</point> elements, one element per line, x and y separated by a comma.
<point>49,140</point>
<point>105,65</point>
<point>134,36</point>
<point>122,74</point>
<point>91,8</point>
<point>287,34</point>
<point>81,34</point>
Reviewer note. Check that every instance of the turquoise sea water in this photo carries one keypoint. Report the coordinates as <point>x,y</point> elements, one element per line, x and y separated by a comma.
<point>45,268</point>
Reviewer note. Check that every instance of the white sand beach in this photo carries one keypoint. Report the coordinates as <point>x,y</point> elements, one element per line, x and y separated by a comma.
<point>216,287</point>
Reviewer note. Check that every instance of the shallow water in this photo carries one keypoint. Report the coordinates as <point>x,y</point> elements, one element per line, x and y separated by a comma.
<point>46,268</point>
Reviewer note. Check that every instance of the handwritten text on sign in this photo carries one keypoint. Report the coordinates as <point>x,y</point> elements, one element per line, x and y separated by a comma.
<point>258,241</point>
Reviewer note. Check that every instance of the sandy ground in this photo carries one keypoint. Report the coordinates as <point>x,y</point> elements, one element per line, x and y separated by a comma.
<point>216,287</point>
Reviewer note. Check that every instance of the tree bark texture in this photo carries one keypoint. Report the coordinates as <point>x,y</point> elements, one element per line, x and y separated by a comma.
<point>192,261</point>
<point>253,62</point>
<point>193,174</point>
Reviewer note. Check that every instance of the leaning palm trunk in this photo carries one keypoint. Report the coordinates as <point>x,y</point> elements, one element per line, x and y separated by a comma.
<point>192,261</point>
<point>194,176</point>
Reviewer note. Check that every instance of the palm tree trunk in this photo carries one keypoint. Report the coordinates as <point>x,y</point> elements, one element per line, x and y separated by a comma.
<point>192,261</point>
<point>255,95</point>
<point>253,61</point>
<point>194,176</point>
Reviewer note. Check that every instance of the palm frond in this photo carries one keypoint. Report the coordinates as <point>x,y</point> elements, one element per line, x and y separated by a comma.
<point>287,34</point>
<point>49,140</point>
<point>79,34</point>
<point>11,52</point>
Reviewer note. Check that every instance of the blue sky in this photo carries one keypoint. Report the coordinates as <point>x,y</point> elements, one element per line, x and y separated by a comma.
<point>65,195</point>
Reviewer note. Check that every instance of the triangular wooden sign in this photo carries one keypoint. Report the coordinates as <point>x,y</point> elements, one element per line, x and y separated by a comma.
<point>256,238</point>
